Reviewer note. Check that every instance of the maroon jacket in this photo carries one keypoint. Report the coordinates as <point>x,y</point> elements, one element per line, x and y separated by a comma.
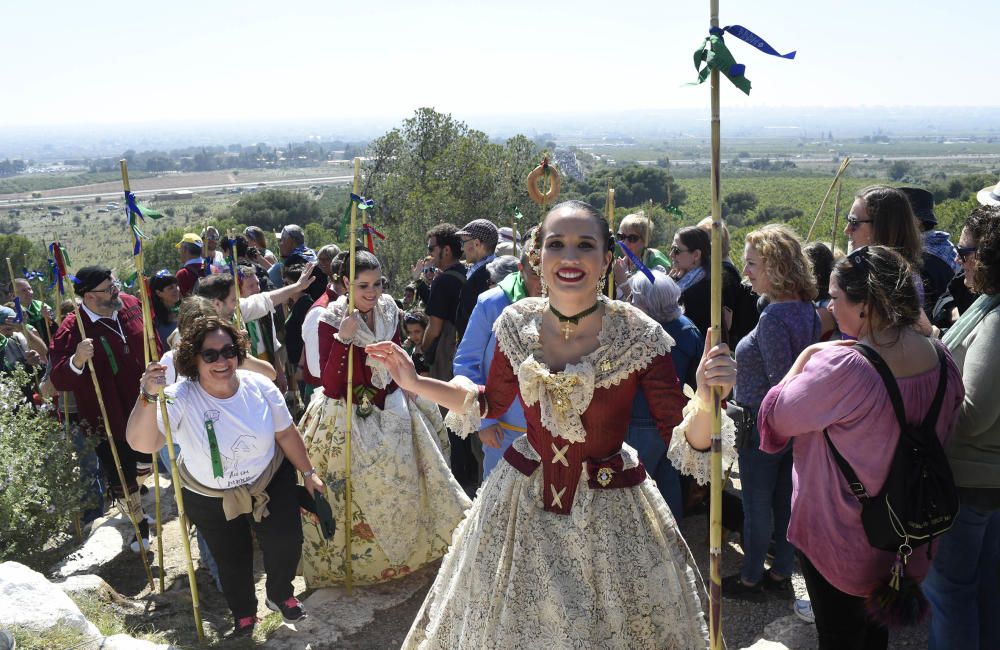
<point>119,379</point>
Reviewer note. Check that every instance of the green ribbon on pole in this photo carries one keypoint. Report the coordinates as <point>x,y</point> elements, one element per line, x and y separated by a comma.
<point>714,55</point>
<point>213,446</point>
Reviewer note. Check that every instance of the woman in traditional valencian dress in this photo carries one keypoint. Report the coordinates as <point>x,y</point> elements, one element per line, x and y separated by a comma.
<point>568,545</point>
<point>405,502</point>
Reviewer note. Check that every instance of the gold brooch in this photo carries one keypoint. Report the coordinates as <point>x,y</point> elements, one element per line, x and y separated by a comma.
<point>604,475</point>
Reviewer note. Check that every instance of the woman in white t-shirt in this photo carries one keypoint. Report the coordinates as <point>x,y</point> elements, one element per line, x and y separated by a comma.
<point>239,450</point>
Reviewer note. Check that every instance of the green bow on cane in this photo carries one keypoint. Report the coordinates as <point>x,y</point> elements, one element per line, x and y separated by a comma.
<point>714,55</point>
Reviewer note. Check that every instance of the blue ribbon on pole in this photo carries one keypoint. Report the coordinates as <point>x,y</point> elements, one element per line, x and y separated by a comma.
<point>745,35</point>
<point>636,262</point>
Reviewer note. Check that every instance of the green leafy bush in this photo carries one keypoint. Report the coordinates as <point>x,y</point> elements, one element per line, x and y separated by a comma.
<point>40,491</point>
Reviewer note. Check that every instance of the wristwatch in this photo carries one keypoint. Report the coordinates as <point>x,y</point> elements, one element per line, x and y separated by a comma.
<point>308,473</point>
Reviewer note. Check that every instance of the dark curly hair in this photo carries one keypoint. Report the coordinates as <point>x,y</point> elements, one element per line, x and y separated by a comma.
<point>445,235</point>
<point>983,225</point>
<point>189,349</point>
<point>881,279</point>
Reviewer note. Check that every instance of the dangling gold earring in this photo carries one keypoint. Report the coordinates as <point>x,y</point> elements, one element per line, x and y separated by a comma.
<point>545,287</point>
<point>602,284</point>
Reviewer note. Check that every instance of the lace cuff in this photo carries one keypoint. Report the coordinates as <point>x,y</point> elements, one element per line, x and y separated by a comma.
<point>468,420</point>
<point>689,460</point>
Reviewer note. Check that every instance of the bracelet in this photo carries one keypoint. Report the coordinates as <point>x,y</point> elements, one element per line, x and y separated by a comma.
<point>306,474</point>
<point>146,397</point>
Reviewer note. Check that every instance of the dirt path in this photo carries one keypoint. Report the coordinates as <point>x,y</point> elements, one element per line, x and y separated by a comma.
<point>378,617</point>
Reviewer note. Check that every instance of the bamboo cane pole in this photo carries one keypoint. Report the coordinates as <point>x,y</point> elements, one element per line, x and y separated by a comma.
<point>236,281</point>
<point>63,395</point>
<point>609,210</point>
<point>715,503</point>
<point>836,218</point>
<point>836,178</point>
<point>149,347</point>
<point>114,454</point>
<point>13,291</point>
<point>41,298</point>
<point>348,514</point>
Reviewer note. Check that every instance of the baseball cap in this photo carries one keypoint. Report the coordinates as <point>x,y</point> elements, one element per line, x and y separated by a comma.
<point>190,238</point>
<point>483,230</point>
<point>7,315</point>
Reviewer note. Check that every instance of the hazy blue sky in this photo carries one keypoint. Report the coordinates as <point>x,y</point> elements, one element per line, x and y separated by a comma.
<point>76,62</point>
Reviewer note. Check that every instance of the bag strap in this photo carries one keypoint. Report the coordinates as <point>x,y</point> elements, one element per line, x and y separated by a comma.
<point>930,421</point>
<point>853,482</point>
<point>890,382</point>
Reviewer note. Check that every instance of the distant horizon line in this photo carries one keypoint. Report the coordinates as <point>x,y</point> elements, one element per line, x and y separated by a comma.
<point>468,115</point>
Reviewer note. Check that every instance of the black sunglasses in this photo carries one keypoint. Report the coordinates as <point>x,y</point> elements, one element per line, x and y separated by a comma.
<point>965,251</point>
<point>211,355</point>
<point>631,238</point>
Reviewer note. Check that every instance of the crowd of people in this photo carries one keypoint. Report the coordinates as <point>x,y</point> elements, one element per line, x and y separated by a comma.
<point>533,411</point>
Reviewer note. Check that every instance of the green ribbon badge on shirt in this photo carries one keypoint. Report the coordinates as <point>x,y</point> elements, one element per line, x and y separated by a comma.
<point>213,445</point>
<point>111,355</point>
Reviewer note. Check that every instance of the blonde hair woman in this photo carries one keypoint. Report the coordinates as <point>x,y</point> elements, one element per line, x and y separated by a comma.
<point>776,267</point>
<point>635,232</point>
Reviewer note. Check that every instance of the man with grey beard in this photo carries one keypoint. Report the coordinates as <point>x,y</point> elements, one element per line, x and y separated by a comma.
<point>114,338</point>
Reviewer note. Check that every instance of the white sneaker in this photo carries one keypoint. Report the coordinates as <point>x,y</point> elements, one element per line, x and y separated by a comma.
<point>804,610</point>
<point>135,545</point>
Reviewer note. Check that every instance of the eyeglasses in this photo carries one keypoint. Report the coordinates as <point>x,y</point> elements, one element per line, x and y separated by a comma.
<point>677,251</point>
<point>631,238</point>
<point>965,251</point>
<point>211,355</point>
<point>854,223</point>
<point>467,240</point>
<point>114,286</point>
<point>430,248</point>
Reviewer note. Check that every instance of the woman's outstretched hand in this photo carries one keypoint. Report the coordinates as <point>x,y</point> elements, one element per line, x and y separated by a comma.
<point>396,361</point>
<point>717,368</point>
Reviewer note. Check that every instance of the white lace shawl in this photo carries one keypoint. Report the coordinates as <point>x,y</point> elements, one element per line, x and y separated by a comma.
<point>386,326</point>
<point>629,340</point>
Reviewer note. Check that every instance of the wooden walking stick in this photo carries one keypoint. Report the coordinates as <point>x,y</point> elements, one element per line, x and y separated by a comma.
<point>149,347</point>
<point>22,313</point>
<point>609,211</point>
<point>348,514</point>
<point>711,59</point>
<point>715,468</point>
<point>235,268</point>
<point>836,218</point>
<point>41,296</point>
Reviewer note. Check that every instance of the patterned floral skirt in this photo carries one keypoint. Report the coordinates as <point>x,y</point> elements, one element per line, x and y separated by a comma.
<point>405,502</point>
<point>614,573</point>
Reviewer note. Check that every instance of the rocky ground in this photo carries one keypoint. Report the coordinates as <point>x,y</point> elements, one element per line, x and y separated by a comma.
<point>372,617</point>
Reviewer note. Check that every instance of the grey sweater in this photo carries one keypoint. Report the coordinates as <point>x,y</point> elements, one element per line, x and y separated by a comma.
<point>974,449</point>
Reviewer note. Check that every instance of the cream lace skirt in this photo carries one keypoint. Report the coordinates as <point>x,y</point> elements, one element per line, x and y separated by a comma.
<point>614,574</point>
<point>406,504</point>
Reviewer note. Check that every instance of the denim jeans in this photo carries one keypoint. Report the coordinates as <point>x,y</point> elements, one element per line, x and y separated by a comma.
<point>963,585</point>
<point>643,435</point>
<point>91,477</point>
<point>766,481</point>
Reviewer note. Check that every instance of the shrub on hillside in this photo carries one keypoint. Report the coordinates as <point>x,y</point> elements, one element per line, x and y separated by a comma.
<point>40,491</point>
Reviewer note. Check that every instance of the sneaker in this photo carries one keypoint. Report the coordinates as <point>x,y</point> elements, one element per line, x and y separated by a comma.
<point>804,610</point>
<point>291,609</point>
<point>144,532</point>
<point>734,587</point>
<point>244,626</point>
<point>778,588</point>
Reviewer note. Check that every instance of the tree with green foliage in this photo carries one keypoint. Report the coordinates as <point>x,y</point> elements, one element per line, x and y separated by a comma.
<point>635,185</point>
<point>737,205</point>
<point>435,169</point>
<point>274,209</point>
